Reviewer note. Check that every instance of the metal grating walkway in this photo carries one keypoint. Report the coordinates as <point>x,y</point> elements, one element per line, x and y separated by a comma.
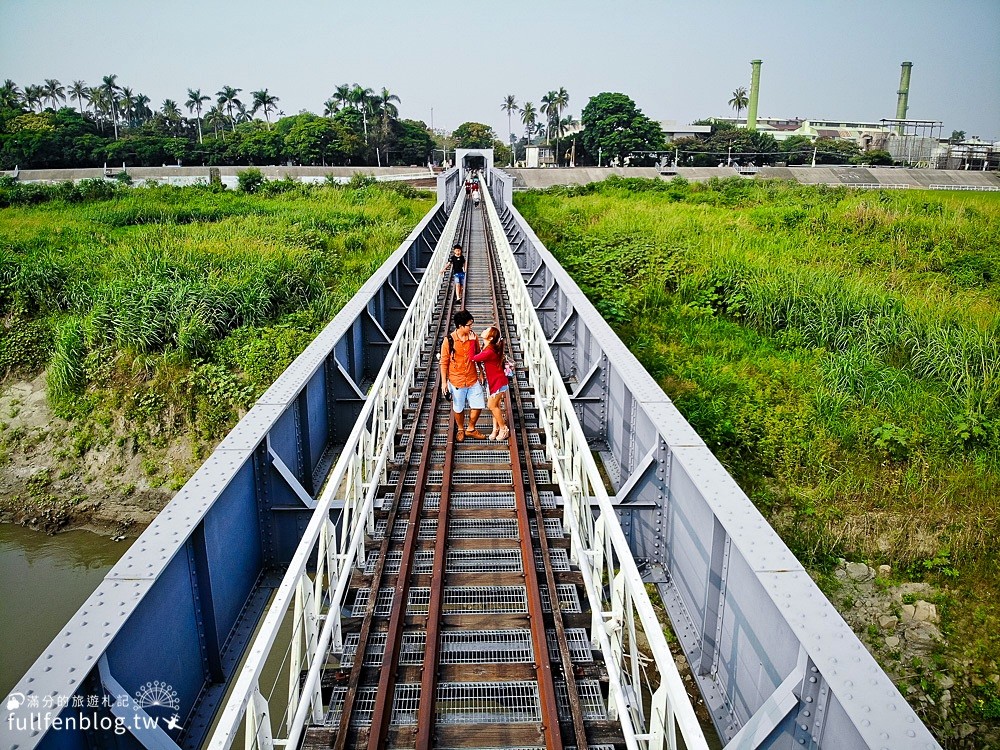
<point>476,611</point>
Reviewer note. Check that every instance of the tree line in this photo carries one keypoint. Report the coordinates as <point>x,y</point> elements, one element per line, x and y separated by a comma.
<point>50,125</point>
<point>612,130</point>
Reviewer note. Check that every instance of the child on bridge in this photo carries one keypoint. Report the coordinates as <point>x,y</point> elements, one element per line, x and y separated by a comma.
<point>457,261</point>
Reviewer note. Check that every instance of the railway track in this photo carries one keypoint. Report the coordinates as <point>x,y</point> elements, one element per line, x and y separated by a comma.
<point>467,593</point>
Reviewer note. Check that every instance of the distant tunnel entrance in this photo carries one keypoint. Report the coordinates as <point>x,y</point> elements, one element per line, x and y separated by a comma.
<point>469,159</point>
<point>474,161</point>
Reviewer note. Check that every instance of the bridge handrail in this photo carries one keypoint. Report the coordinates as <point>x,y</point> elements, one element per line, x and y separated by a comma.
<point>353,482</point>
<point>597,545</point>
<point>943,186</point>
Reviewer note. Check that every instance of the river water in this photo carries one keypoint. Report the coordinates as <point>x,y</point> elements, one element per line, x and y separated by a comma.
<point>43,581</point>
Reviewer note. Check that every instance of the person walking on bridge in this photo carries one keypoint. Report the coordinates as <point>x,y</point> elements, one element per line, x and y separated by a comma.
<point>459,376</point>
<point>457,261</point>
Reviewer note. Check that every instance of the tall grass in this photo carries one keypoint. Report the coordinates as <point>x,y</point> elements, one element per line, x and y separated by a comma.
<point>167,274</point>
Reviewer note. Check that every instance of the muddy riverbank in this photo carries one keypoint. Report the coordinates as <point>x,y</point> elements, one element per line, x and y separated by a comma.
<point>56,475</point>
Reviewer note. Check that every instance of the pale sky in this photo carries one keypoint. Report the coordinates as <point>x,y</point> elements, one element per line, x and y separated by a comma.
<point>824,59</point>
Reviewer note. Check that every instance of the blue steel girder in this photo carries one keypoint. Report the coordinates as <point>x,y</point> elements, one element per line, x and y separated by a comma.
<point>181,605</point>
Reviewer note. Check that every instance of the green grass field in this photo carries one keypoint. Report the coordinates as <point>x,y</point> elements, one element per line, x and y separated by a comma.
<point>181,303</point>
<point>839,351</point>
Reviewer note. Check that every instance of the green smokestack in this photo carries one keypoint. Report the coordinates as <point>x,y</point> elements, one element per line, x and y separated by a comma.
<point>754,90</point>
<point>904,91</point>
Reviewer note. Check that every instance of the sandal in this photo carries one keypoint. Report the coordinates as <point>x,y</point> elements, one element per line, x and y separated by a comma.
<point>493,435</point>
<point>474,434</point>
<point>459,436</point>
<point>503,434</point>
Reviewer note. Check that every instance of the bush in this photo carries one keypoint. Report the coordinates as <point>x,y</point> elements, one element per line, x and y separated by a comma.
<point>25,346</point>
<point>360,181</point>
<point>97,189</point>
<point>14,193</point>
<point>250,180</point>
<point>288,184</point>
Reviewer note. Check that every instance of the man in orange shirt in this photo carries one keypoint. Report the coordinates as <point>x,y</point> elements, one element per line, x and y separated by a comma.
<point>458,374</point>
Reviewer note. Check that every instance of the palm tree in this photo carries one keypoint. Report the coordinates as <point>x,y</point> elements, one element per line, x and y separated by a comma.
<point>565,124</point>
<point>194,101</point>
<point>561,127</point>
<point>126,104</point>
<point>34,95</point>
<point>561,102</point>
<point>510,105</point>
<point>79,91</point>
<point>228,99</point>
<point>385,102</point>
<point>361,98</point>
<point>172,114</point>
<point>216,117</point>
<point>110,88</point>
<point>739,101</point>
<point>54,92</point>
<point>330,107</point>
<point>10,95</point>
<point>95,96</point>
<point>388,112</point>
<point>141,108</point>
<point>550,110</point>
<point>528,117</point>
<point>242,114</point>
<point>265,101</point>
<point>341,96</point>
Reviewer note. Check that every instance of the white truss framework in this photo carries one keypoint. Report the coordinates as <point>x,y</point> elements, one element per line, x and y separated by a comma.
<point>598,547</point>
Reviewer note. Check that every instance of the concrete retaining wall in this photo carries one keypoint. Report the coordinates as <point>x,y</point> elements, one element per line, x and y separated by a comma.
<point>193,175</point>
<point>543,178</point>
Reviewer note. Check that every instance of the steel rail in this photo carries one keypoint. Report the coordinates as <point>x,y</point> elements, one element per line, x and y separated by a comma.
<point>351,482</point>
<point>543,666</point>
<point>565,656</point>
<point>399,595</point>
<point>382,714</point>
<point>432,622</point>
<point>597,545</point>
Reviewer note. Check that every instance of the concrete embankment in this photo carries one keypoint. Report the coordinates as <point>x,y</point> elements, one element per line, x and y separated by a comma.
<point>193,175</point>
<point>890,177</point>
<point>834,175</point>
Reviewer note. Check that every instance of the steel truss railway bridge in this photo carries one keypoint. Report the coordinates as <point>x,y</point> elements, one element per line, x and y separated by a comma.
<point>341,572</point>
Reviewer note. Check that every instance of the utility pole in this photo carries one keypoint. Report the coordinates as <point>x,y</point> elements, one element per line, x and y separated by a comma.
<point>814,155</point>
